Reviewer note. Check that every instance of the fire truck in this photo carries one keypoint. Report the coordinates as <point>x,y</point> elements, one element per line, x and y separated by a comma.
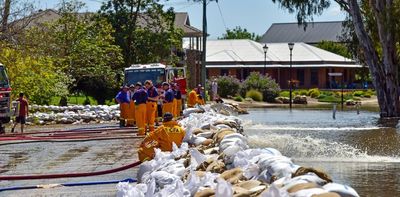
<point>157,73</point>
<point>5,98</point>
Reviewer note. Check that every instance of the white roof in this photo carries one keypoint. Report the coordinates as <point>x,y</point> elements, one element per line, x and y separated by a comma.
<point>247,52</point>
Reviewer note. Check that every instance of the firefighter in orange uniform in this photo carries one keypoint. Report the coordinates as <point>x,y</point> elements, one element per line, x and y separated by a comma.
<point>168,99</point>
<point>123,100</point>
<point>178,97</point>
<point>162,138</point>
<point>130,120</point>
<point>151,105</point>
<point>140,97</point>
<point>192,100</point>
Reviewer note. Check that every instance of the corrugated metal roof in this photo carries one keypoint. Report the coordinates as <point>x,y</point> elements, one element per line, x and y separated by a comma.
<point>248,52</point>
<point>314,33</point>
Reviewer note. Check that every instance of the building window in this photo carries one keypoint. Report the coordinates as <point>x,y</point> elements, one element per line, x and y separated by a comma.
<point>300,76</point>
<point>224,72</point>
<point>314,76</point>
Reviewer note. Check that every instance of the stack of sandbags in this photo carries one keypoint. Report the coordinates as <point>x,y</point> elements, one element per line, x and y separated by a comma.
<point>215,160</point>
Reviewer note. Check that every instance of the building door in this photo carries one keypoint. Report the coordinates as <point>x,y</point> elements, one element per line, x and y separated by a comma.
<point>300,76</point>
<point>314,77</point>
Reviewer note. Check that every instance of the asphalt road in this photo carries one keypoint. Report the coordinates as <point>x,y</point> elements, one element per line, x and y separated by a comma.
<point>67,157</point>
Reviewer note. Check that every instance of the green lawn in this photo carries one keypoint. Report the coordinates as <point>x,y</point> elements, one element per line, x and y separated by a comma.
<point>73,100</point>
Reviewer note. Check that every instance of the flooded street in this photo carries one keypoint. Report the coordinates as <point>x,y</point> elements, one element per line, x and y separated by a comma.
<point>67,157</point>
<point>358,150</point>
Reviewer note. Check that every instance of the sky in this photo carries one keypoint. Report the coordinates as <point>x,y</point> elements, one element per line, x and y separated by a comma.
<point>254,15</point>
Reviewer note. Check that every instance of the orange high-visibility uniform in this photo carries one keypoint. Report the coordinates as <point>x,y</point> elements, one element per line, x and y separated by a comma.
<point>200,101</point>
<point>151,108</point>
<point>178,106</point>
<point>140,97</point>
<point>124,108</point>
<point>175,112</point>
<point>131,114</point>
<point>192,100</point>
<point>162,138</point>
<point>140,115</point>
<point>168,107</point>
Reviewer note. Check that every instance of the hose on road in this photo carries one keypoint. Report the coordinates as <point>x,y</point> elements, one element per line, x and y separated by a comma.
<point>70,175</point>
<point>66,185</point>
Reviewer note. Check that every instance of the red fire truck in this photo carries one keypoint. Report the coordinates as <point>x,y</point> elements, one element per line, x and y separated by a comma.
<point>5,98</point>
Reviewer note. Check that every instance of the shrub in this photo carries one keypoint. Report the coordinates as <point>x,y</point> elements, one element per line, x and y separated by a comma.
<point>301,92</point>
<point>358,93</point>
<point>284,94</point>
<point>330,99</point>
<point>367,95</point>
<point>321,96</point>
<point>238,99</point>
<point>327,93</point>
<point>255,95</point>
<point>228,86</point>
<point>264,84</point>
<point>314,93</point>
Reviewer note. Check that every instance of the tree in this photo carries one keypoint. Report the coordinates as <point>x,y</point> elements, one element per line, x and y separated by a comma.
<point>15,16</point>
<point>143,30</point>
<point>37,77</point>
<point>82,48</point>
<point>376,25</point>
<point>334,47</point>
<point>239,33</point>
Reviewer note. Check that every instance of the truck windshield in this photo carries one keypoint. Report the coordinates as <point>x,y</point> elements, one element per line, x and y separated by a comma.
<point>156,75</point>
<point>3,78</point>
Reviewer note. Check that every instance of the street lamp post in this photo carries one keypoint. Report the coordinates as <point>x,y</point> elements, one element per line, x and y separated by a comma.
<point>291,45</point>
<point>265,48</point>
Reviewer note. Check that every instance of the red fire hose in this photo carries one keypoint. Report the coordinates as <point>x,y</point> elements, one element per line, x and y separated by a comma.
<point>70,175</point>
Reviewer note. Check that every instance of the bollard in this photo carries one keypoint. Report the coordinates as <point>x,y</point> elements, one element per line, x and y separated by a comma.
<point>358,105</point>
<point>334,111</point>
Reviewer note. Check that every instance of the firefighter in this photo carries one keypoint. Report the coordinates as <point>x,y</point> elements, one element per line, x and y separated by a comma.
<point>178,97</point>
<point>175,103</point>
<point>168,99</point>
<point>192,100</point>
<point>140,97</point>
<point>163,138</point>
<point>131,111</point>
<point>123,100</point>
<point>151,105</point>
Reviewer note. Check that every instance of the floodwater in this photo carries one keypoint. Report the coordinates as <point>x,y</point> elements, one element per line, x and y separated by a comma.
<point>362,150</point>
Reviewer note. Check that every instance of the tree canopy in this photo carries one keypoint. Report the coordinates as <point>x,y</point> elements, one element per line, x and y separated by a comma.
<point>376,26</point>
<point>239,33</point>
<point>143,30</point>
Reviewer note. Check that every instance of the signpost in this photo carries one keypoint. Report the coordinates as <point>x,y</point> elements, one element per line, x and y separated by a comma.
<point>342,83</point>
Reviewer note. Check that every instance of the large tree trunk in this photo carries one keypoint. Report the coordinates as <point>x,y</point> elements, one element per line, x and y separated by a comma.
<point>384,72</point>
<point>6,14</point>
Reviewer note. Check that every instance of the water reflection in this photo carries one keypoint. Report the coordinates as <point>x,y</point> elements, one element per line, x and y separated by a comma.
<point>358,150</point>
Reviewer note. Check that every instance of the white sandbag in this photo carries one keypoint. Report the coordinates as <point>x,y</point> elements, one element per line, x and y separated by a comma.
<point>196,158</point>
<point>163,178</point>
<point>274,191</point>
<point>342,190</point>
<point>126,189</point>
<point>224,189</point>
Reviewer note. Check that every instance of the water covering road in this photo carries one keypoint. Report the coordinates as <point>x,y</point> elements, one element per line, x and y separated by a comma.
<point>359,150</point>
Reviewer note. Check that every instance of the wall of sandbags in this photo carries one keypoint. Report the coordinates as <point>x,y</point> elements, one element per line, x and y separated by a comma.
<point>42,114</point>
<point>215,160</point>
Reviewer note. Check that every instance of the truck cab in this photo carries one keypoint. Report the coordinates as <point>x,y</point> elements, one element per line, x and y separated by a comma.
<point>5,98</point>
<point>157,73</point>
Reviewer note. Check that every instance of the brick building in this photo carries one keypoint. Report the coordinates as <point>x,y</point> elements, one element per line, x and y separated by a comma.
<point>310,65</point>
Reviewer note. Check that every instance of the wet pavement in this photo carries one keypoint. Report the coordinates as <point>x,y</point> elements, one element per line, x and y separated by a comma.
<point>67,157</point>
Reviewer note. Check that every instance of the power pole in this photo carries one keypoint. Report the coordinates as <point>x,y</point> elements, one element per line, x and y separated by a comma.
<point>203,56</point>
